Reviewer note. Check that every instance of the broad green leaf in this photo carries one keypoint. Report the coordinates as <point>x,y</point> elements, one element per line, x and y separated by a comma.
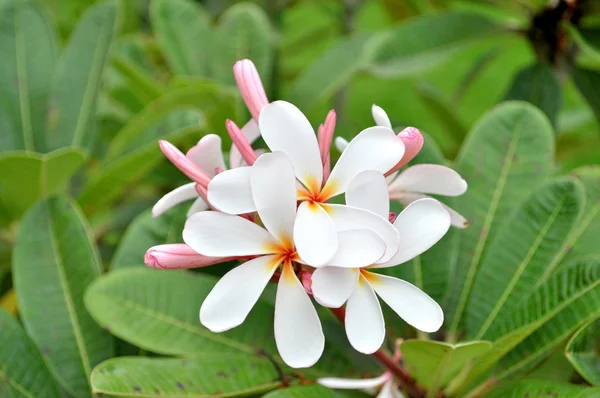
<point>147,231</point>
<point>211,375</point>
<point>113,179</point>
<point>526,244</point>
<point>78,76</point>
<point>538,85</point>
<point>330,72</point>
<point>183,31</point>
<point>206,96</point>
<point>139,82</point>
<point>414,47</point>
<point>586,81</point>
<point>506,155</point>
<point>23,372</point>
<point>158,311</point>
<point>434,364</point>
<point>28,48</point>
<point>559,307</point>
<point>26,177</point>
<point>583,352</point>
<point>244,31</point>
<point>54,261</point>
<point>587,39</point>
<point>539,388</point>
<point>312,391</point>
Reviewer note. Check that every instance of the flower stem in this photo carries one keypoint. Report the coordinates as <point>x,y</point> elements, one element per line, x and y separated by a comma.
<point>405,380</point>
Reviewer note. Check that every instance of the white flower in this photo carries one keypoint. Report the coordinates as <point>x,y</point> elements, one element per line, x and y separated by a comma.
<point>417,181</point>
<point>208,157</point>
<point>422,224</point>
<point>298,331</point>
<point>388,388</point>
<point>284,128</point>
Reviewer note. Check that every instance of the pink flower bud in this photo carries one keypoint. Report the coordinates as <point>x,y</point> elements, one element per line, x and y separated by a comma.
<point>413,142</point>
<point>306,279</point>
<point>241,143</point>
<point>392,217</point>
<point>183,163</point>
<point>178,256</point>
<point>251,87</point>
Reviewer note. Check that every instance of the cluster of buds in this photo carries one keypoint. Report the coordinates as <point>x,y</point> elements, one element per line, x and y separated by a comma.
<point>273,212</point>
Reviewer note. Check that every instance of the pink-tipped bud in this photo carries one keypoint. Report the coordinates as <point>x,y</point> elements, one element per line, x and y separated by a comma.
<point>325,134</point>
<point>250,86</point>
<point>183,163</point>
<point>306,279</point>
<point>392,217</point>
<point>241,143</point>
<point>178,256</point>
<point>203,193</point>
<point>413,142</point>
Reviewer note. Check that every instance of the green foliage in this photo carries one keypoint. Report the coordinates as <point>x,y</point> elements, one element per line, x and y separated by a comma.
<point>582,352</point>
<point>54,246</point>
<point>533,388</point>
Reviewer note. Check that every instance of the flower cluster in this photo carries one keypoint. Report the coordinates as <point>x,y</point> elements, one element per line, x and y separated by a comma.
<point>273,211</point>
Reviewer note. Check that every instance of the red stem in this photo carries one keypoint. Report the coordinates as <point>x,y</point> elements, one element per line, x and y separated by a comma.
<point>405,380</point>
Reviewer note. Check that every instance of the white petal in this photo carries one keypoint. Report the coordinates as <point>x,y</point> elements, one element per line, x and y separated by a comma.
<point>222,235</point>
<point>347,218</point>
<point>409,302</point>
<point>331,286</point>
<point>232,298</point>
<point>381,118</point>
<point>430,178</point>
<point>357,248</point>
<point>389,390</point>
<point>340,143</point>
<point>314,235</point>
<point>176,196</point>
<point>285,128</point>
<point>274,193</point>
<point>407,198</point>
<point>369,191</point>
<point>207,154</point>
<point>353,384</point>
<point>198,206</point>
<point>376,148</point>
<point>298,334</point>
<point>365,326</point>
<point>420,225</point>
<point>230,191</point>
<point>251,132</point>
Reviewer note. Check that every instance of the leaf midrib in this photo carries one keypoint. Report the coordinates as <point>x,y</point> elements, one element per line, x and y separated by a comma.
<point>520,269</point>
<point>22,81</point>
<point>4,376</point>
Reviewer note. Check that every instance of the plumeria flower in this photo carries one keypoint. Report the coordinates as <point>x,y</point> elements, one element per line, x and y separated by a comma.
<point>384,384</point>
<point>284,128</point>
<point>207,156</point>
<point>415,182</point>
<point>422,224</point>
<point>298,331</point>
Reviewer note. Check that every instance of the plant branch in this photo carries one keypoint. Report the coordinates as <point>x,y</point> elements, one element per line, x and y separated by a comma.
<point>405,380</point>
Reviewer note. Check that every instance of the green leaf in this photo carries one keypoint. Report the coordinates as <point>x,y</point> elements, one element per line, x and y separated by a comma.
<point>330,72</point>
<point>26,177</point>
<point>114,178</point>
<point>539,388</point>
<point>208,97</point>
<point>244,31</point>
<point>22,368</point>
<point>558,308</point>
<point>78,77</point>
<point>538,85</point>
<point>414,47</point>
<point>583,351</point>
<point>54,248</point>
<point>216,375</point>
<point>182,29</point>
<point>434,364</point>
<point>312,391</point>
<point>586,81</point>
<point>147,231</point>
<point>530,240</point>
<point>139,82</point>
<point>506,155</point>
<point>28,48</point>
